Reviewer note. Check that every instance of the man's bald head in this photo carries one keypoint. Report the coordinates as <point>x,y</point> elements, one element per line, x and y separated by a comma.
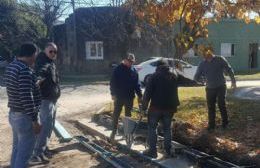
<point>51,50</point>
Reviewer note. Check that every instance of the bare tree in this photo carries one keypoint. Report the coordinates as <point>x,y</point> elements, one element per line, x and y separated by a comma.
<point>17,26</point>
<point>49,11</point>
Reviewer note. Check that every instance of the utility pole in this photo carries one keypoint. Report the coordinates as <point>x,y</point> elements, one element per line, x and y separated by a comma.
<point>75,46</point>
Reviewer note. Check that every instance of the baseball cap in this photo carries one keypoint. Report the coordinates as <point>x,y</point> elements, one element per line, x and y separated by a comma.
<point>130,57</point>
<point>162,62</point>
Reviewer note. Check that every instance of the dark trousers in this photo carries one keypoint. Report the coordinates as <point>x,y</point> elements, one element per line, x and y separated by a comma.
<point>216,94</point>
<point>118,105</point>
<point>153,119</point>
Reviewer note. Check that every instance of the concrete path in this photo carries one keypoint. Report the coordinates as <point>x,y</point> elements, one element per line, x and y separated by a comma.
<point>103,132</point>
<point>249,90</point>
<point>248,93</point>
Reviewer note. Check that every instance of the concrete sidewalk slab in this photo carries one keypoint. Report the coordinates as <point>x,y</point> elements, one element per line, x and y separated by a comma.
<point>248,93</point>
<point>105,133</point>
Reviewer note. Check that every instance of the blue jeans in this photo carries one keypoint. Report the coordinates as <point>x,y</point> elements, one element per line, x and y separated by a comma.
<point>153,119</point>
<point>23,139</point>
<point>47,118</point>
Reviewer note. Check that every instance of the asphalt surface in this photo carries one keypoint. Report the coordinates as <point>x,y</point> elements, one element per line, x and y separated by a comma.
<point>249,90</point>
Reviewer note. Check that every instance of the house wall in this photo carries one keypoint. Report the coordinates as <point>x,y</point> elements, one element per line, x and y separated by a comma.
<point>98,24</point>
<point>238,33</point>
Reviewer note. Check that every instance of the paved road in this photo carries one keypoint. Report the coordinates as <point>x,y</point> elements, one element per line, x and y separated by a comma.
<point>74,101</point>
<point>249,90</point>
<point>249,83</point>
<point>80,98</point>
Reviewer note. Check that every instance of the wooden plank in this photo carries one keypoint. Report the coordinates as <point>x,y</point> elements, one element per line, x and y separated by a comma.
<point>61,132</point>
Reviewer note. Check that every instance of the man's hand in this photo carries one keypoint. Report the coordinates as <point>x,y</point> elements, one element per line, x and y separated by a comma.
<point>39,82</point>
<point>113,98</point>
<point>233,86</point>
<point>139,100</point>
<point>145,112</point>
<point>36,127</point>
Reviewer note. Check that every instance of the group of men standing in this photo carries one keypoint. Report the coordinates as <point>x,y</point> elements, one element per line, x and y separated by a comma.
<point>32,85</point>
<point>161,95</point>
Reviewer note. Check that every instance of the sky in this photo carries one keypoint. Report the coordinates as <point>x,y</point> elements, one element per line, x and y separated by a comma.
<point>83,3</point>
<point>88,3</point>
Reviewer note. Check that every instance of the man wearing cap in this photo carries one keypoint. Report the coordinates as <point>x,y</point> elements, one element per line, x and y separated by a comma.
<point>162,94</point>
<point>212,68</point>
<point>23,101</point>
<point>124,84</point>
<point>48,80</point>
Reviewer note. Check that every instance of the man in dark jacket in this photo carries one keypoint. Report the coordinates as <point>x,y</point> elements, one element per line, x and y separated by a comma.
<point>123,86</point>
<point>162,93</point>
<point>48,80</point>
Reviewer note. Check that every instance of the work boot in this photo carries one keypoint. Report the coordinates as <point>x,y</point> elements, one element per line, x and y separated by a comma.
<point>112,136</point>
<point>149,153</point>
<point>168,154</point>
<point>224,125</point>
<point>36,160</point>
<point>211,129</point>
<point>48,154</point>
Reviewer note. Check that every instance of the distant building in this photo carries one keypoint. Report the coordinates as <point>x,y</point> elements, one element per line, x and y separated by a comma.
<point>102,38</point>
<point>237,41</point>
<point>105,34</point>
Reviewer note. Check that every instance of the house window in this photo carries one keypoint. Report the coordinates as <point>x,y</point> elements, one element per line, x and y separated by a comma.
<point>94,50</point>
<point>227,49</point>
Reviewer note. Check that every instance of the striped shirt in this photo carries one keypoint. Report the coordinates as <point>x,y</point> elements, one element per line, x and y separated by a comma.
<point>23,93</point>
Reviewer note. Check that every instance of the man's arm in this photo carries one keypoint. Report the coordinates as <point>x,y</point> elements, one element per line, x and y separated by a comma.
<point>147,94</point>
<point>198,74</point>
<point>41,71</point>
<point>113,82</point>
<point>26,93</point>
<point>138,90</point>
<point>229,71</point>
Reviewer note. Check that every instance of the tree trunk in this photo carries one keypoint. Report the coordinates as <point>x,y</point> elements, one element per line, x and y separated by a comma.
<point>178,50</point>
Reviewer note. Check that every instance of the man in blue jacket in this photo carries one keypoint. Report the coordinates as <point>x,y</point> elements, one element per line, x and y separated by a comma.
<point>123,86</point>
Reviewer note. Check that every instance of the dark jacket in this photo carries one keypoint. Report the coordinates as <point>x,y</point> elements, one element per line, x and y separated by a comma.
<point>124,82</point>
<point>46,70</point>
<point>162,90</point>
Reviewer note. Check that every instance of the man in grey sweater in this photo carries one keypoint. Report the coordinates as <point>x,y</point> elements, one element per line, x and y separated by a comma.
<point>212,70</point>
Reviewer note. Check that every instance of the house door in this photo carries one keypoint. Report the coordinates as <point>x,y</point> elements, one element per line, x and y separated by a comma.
<point>253,47</point>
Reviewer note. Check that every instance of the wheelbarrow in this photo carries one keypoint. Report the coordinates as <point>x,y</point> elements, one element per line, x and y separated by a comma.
<point>134,128</point>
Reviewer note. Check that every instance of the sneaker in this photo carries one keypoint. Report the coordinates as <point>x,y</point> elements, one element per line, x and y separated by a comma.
<point>44,157</point>
<point>49,153</point>
<point>35,160</point>
<point>225,125</point>
<point>149,153</point>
